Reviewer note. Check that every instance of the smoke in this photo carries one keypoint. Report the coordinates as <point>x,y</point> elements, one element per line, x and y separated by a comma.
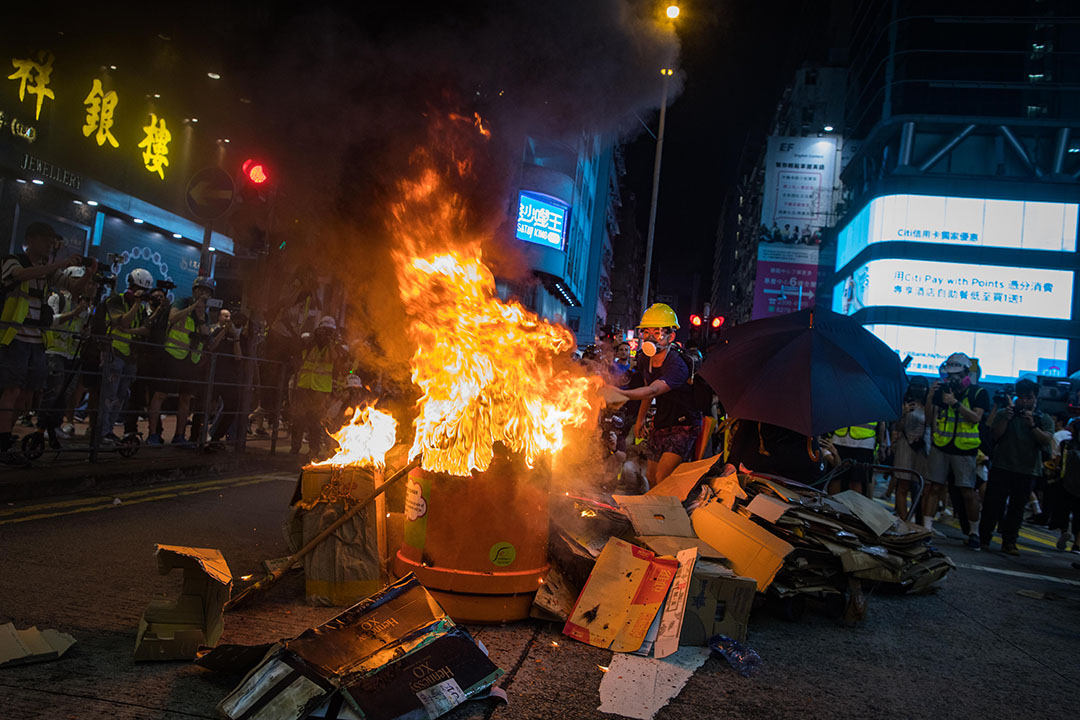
<point>357,98</point>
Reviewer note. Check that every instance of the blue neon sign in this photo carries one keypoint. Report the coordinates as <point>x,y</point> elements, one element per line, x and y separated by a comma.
<point>541,220</point>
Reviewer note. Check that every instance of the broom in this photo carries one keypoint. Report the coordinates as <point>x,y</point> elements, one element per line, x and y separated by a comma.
<point>261,586</point>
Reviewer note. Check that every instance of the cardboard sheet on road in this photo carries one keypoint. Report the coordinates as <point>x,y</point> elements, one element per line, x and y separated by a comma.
<point>752,550</point>
<point>680,482</point>
<point>768,508</point>
<point>638,687</point>
<point>657,515</point>
<point>621,598</point>
<point>874,514</point>
<point>19,647</point>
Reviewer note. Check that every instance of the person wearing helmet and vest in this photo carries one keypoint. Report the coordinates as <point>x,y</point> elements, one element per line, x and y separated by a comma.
<point>127,319</point>
<point>954,409</point>
<point>664,376</point>
<point>62,342</point>
<point>319,351</point>
<point>189,325</point>
<point>25,281</point>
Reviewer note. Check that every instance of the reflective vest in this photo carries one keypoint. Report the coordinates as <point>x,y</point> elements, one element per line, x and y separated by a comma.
<point>950,427</point>
<point>859,432</point>
<point>121,337</point>
<point>63,338</point>
<point>317,370</point>
<point>178,341</point>
<point>17,306</point>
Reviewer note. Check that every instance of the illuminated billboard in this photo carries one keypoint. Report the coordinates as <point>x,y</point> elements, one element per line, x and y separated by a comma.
<point>542,220</point>
<point>797,198</point>
<point>979,222</point>
<point>1002,357</point>
<point>957,287</point>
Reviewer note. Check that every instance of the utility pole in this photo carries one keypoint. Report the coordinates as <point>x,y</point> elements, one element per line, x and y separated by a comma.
<point>666,73</point>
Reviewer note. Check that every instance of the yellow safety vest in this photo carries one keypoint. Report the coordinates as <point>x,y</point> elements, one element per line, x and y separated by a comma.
<point>122,338</point>
<point>317,370</point>
<point>62,339</point>
<point>951,427</point>
<point>16,307</point>
<point>178,342</point>
<point>859,432</point>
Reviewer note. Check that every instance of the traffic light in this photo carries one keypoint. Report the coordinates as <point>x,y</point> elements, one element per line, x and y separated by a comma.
<point>255,171</point>
<point>714,328</point>
<point>249,221</point>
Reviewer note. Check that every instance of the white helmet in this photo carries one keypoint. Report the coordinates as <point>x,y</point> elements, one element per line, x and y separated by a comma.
<point>328,322</point>
<point>74,272</point>
<point>353,381</point>
<point>140,278</point>
<point>957,363</point>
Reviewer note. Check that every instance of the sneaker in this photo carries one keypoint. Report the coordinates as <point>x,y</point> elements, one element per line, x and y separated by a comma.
<point>110,440</point>
<point>179,440</point>
<point>1063,541</point>
<point>154,439</point>
<point>973,543</point>
<point>65,431</point>
<point>1010,549</point>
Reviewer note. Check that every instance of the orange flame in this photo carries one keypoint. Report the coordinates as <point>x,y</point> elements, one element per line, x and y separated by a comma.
<point>364,440</point>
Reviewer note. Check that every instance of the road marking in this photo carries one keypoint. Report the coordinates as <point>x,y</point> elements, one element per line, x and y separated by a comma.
<point>136,498</point>
<point>1017,573</point>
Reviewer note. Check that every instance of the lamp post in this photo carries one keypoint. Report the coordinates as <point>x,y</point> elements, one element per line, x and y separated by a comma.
<point>666,73</point>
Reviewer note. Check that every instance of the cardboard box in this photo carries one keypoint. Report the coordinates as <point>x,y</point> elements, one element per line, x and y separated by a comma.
<point>18,647</point>
<point>174,629</point>
<point>718,604</point>
<point>348,565</point>
<point>752,550</point>
<point>621,598</point>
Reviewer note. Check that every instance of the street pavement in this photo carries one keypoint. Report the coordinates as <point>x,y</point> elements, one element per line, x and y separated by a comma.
<point>998,638</point>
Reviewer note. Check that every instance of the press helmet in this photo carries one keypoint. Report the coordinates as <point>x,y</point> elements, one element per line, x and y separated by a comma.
<point>74,272</point>
<point>957,363</point>
<point>659,315</point>
<point>201,281</point>
<point>327,323</point>
<point>140,278</point>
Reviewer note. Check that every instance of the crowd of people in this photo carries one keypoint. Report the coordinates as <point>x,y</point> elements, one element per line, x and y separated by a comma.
<point>73,346</point>
<point>790,234</point>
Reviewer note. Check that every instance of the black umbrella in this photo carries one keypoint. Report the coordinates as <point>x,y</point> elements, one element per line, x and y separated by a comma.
<point>811,371</point>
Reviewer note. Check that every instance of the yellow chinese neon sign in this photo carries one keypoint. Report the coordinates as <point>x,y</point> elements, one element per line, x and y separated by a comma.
<point>99,114</point>
<point>156,146</point>
<point>33,77</point>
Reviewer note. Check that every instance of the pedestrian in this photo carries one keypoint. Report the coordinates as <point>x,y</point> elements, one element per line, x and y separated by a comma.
<point>856,443</point>
<point>150,362</point>
<point>25,281</point>
<point>620,365</point>
<point>1021,434</point>
<point>911,442</point>
<point>126,319</point>
<point>1066,491</point>
<point>954,408</point>
<point>320,352</point>
<point>62,344</point>
<point>666,378</point>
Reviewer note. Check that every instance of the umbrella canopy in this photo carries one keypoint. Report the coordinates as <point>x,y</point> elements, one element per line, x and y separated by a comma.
<point>811,371</point>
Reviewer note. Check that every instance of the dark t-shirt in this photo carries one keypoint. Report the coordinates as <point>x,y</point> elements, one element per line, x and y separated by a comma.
<point>977,398</point>
<point>1017,450</point>
<point>675,407</point>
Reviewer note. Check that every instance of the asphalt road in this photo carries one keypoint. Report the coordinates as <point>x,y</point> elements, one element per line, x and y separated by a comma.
<point>999,638</point>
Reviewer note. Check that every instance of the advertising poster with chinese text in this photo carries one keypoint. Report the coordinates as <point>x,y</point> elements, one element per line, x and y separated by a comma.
<point>786,279</point>
<point>798,197</point>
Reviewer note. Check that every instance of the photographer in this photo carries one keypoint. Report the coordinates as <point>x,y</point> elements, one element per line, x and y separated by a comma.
<point>225,338</point>
<point>61,346</point>
<point>321,351</point>
<point>1021,434</point>
<point>188,327</point>
<point>148,354</point>
<point>25,281</point>
<point>126,318</point>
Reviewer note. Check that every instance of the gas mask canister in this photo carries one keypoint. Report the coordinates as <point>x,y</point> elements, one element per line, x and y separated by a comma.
<point>650,344</point>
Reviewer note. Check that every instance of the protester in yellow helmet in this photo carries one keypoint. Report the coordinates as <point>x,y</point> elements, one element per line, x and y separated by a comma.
<point>664,376</point>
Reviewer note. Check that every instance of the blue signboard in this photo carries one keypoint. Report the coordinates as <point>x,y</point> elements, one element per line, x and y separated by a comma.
<point>541,219</point>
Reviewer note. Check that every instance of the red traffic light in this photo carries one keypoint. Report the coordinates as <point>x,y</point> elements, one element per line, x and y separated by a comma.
<point>717,322</point>
<point>695,320</point>
<point>255,171</point>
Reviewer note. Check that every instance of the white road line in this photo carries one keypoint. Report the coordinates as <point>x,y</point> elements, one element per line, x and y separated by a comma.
<point>1016,573</point>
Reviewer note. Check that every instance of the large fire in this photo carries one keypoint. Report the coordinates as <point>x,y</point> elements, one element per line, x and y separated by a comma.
<point>365,440</point>
<point>490,371</point>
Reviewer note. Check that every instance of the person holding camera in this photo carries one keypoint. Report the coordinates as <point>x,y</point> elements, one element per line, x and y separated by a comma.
<point>954,408</point>
<point>189,323</point>
<point>126,320</point>
<point>147,359</point>
<point>909,438</point>
<point>62,344</point>
<point>25,282</point>
<point>225,342</point>
<point>320,352</point>
<point>1021,434</point>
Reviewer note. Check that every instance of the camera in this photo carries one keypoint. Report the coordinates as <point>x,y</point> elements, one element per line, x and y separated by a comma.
<point>102,277</point>
<point>166,285</point>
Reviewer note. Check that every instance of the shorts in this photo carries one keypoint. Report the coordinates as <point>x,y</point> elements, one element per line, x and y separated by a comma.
<point>962,466</point>
<point>23,365</point>
<point>678,439</point>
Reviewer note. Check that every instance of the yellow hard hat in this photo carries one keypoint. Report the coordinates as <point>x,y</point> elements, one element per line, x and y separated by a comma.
<point>659,315</point>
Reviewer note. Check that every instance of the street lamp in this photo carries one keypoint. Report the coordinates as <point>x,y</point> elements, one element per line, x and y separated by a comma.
<point>673,11</point>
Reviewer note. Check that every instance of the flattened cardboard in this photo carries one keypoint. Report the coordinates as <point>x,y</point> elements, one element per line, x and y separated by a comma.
<point>668,545</point>
<point>671,619</point>
<point>657,515</point>
<point>622,596</point>
<point>175,629</point>
<point>637,687</point>
<point>680,482</point>
<point>768,508</point>
<point>555,597</point>
<point>19,647</point>
<point>752,551</point>
<point>876,517</point>
<point>717,605</point>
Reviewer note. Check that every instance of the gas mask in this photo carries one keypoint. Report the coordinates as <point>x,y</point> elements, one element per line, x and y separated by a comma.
<point>650,346</point>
